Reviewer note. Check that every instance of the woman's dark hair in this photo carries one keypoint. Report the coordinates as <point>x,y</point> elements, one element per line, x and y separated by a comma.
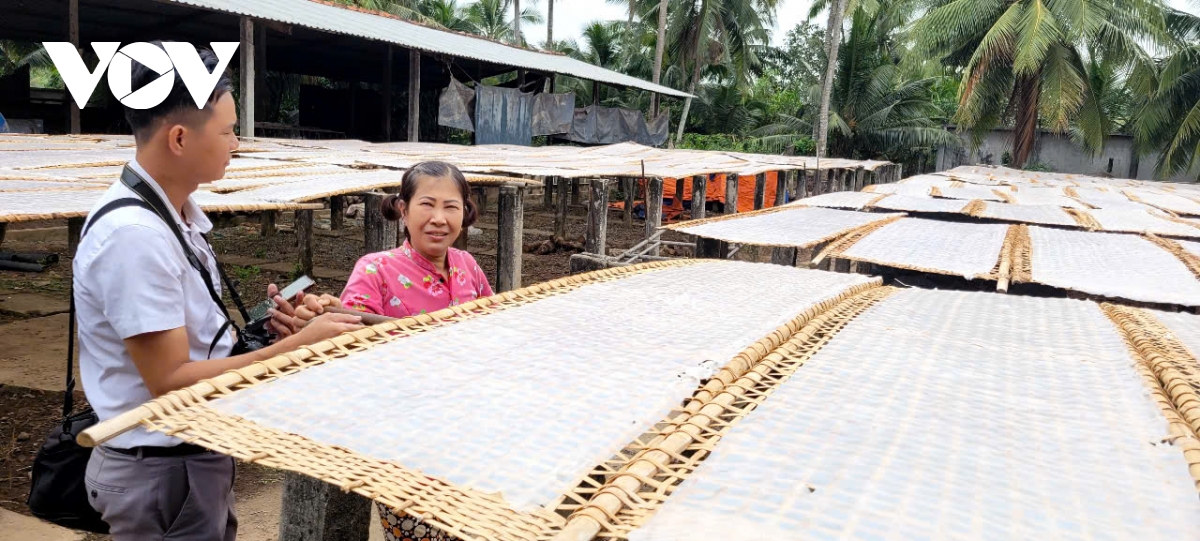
<point>408,188</point>
<point>178,105</point>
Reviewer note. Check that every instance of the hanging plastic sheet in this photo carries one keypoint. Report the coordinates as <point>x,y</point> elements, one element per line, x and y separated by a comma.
<point>606,125</point>
<point>503,116</point>
<point>658,130</point>
<point>456,106</point>
<point>553,113</point>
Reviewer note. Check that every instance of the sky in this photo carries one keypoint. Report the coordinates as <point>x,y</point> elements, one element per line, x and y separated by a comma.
<point>571,16</point>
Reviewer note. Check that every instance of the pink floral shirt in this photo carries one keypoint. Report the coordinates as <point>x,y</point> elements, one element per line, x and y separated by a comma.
<point>401,282</point>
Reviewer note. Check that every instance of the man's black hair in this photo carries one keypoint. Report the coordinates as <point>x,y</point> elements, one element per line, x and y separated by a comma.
<point>143,122</point>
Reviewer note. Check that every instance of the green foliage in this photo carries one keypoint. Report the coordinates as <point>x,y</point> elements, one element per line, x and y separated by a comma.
<point>246,273</point>
<point>735,143</point>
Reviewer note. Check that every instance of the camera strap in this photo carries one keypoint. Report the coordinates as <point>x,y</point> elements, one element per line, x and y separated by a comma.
<point>135,182</point>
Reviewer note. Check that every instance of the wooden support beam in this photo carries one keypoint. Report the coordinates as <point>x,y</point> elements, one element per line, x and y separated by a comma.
<point>521,75</point>
<point>510,231</point>
<point>597,221</point>
<point>547,193</point>
<point>678,198</point>
<point>781,187</point>
<point>379,233</point>
<point>386,95</point>
<point>595,92</point>
<point>314,510</point>
<point>783,256</point>
<point>74,231</point>
<point>629,189</point>
<point>760,190</point>
<point>260,72</point>
<point>246,77</point>
<point>268,218</point>
<point>699,196</point>
<point>859,177</point>
<point>654,199</point>
<point>562,186</point>
<point>3,228</point>
<point>337,212</point>
<point>801,184</point>
<point>73,37</point>
<point>575,199</point>
<point>304,238</point>
<point>731,193</point>
<point>482,205</point>
<point>414,94</point>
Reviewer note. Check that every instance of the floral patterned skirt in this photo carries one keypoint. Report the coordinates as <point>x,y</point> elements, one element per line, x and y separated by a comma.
<point>406,528</point>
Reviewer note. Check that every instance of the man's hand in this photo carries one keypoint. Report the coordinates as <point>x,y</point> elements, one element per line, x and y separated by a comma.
<point>288,318</point>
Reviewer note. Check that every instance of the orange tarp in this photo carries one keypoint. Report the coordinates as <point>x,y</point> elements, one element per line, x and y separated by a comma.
<point>716,190</point>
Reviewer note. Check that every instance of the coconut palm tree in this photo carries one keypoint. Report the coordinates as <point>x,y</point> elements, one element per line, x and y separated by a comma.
<point>447,14</point>
<point>490,19</point>
<point>1025,59</point>
<point>1168,111</point>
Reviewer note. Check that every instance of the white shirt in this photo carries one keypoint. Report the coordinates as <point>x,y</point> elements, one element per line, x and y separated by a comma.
<point>131,278</point>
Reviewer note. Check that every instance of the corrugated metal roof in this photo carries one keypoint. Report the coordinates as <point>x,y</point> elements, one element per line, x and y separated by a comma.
<point>405,34</point>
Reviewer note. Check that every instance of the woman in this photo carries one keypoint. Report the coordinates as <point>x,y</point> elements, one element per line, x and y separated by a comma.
<point>424,275</point>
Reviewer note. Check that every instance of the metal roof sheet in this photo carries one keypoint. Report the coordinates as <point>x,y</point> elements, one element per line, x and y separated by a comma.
<point>339,20</point>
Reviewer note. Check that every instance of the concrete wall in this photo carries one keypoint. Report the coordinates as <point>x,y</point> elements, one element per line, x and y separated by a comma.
<point>1059,154</point>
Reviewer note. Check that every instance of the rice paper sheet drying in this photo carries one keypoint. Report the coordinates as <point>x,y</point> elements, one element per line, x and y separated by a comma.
<point>841,200</point>
<point>802,226</point>
<point>1141,221</point>
<point>524,401</point>
<point>948,416</point>
<point>921,204</point>
<point>960,249</point>
<point>1116,265</point>
<point>1185,327</point>
<point>1029,214</point>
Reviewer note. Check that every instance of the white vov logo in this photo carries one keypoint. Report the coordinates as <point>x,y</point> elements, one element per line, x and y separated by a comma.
<point>178,56</point>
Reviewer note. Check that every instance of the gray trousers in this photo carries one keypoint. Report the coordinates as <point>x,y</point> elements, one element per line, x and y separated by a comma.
<point>186,498</point>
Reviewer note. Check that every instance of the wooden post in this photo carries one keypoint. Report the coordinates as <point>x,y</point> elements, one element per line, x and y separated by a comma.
<point>337,212</point>
<point>575,182</point>
<point>705,247</point>
<point>597,220</point>
<point>510,230</point>
<point>781,188</point>
<point>547,193</point>
<point>562,185</point>
<point>801,184</point>
<point>414,94</point>
<point>483,200</point>
<point>388,60</point>
<point>314,510</point>
<point>260,71</point>
<point>654,198</point>
<point>783,256</point>
<point>760,190</point>
<point>3,228</point>
<point>595,92</point>
<point>304,237</point>
<point>73,37</point>
<point>520,79</point>
<point>630,191</point>
<point>246,77</point>
<point>731,193</point>
<point>268,222</point>
<point>899,173</point>
<point>379,234</point>
<point>74,231</point>
<point>859,176</point>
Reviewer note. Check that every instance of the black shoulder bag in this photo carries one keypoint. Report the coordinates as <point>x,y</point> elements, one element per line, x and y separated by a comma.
<point>58,493</point>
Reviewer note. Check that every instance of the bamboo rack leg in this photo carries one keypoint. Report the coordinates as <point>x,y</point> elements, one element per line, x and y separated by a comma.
<point>337,212</point>
<point>760,190</point>
<point>378,234</point>
<point>704,247</point>
<point>597,224</point>
<point>511,233</point>
<point>628,187</point>
<point>547,193</point>
<point>654,200</point>
<point>74,230</point>
<point>268,223</point>
<point>562,186</point>
<point>304,236</point>
<point>575,189</point>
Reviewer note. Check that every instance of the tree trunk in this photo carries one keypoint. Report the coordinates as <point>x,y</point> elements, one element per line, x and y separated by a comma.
<point>659,45</point>
<point>517,22</point>
<point>687,104</point>
<point>833,39</point>
<point>550,25</point>
<point>629,21</point>
<point>1027,93</point>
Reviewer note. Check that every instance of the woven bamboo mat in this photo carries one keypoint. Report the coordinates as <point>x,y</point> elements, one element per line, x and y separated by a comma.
<point>783,226</point>
<point>1112,265</point>
<point>961,249</point>
<point>898,188</point>
<point>50,159</point>
<point>38,185</point>
<point>981,416</point>
<point>321,186</point>
<point>526,416</point>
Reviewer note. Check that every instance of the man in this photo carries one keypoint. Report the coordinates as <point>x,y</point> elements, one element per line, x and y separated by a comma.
<point>149,326</point>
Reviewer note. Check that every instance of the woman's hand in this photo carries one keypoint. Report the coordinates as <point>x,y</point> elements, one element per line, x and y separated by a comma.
<point>326,326</point>
<point>288,320</point>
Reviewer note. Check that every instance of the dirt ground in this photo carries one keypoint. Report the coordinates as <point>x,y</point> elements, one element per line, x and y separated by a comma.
<point>33,342</point>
